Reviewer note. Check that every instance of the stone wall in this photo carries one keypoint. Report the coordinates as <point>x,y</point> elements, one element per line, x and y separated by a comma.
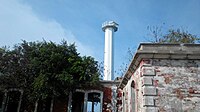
<point>166,79</point>
<point>132,93</point>
<point>178,85</point>
<point>164,85</point>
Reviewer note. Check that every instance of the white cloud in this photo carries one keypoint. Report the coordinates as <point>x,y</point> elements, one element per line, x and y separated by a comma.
<point>19,22</point>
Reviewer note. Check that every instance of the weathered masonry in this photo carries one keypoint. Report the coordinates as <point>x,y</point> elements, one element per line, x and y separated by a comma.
<point>163,78</point>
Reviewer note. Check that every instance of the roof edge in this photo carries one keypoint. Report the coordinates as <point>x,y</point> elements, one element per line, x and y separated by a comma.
<point>160,51</point>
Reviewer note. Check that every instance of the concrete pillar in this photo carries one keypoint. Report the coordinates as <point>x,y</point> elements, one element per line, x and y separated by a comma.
<point>109,27</point>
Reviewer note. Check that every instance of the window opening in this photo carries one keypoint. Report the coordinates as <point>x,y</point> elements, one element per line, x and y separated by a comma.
<point>94,102</point>
<point>133,96</point>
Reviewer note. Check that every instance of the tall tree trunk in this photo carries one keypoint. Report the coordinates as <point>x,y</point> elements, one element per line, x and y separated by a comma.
<point>51,107</point>
<point>4,101</point>
<point>6,104</point>
<point>36,105</point>
<point>69,102</point>
<point>20,101</point>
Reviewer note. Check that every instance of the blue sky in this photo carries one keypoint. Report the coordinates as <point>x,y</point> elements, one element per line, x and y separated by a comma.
<point>80,22</point>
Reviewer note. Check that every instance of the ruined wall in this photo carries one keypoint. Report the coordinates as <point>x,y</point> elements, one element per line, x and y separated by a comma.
<point>178,85</point>
<point>119,105</point>
<point>149,90</point>
<point>110,98</point>
<point>171,85</point>
<point>107,99</point>
<point>132,93</point>
<point>164,85</point>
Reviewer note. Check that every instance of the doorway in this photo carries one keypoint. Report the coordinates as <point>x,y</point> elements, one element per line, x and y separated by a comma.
<point>78,102</point>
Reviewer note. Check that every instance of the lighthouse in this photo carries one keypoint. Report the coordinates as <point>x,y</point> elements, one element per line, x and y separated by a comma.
<point>109,27</point>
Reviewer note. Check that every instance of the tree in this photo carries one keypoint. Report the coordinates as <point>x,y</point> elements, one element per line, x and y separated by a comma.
<point>46,70</point>
<point>174,36</point>
<point>179,36</point>
<point>61,68</point>
<point>14,72</point>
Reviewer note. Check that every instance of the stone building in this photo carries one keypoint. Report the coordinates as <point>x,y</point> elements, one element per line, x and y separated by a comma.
<point>162,78</point>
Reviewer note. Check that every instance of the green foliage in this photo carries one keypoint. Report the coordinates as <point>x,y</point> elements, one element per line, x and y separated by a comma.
<point>179,36</point>
<point>45,69</point>
<point>174,36</point>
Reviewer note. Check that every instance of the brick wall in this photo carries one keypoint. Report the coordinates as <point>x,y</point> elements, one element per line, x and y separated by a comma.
<point>111,98</point>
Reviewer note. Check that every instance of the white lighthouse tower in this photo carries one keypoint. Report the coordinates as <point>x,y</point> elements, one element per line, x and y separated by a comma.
<point>109,27</point>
